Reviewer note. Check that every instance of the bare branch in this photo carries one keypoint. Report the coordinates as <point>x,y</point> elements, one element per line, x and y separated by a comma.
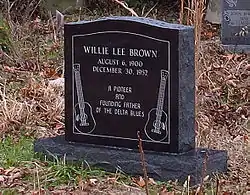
<point>123,4</point>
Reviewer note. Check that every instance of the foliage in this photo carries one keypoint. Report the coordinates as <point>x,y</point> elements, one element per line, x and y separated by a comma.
<point>10,192</point>
<point>13,153</point>
<point>140,3</point>
<point>5,42</point>
<point>20,10</point>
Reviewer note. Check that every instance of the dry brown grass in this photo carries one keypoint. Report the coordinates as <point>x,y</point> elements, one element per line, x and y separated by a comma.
<point>222,98</point>
<point>193,15</point>
<point>29,104</point>
<point>223,108</point>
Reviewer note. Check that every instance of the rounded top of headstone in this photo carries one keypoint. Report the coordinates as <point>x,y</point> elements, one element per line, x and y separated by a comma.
<point>142,20</point>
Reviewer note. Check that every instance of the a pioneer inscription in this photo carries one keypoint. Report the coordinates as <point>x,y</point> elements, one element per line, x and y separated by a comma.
<point>120,81</point>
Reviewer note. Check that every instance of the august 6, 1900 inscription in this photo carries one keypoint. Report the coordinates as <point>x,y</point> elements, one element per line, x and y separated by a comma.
<point>122,76</point>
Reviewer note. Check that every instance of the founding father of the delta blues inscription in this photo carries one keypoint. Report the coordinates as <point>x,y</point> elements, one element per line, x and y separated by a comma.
<point>122,76</point>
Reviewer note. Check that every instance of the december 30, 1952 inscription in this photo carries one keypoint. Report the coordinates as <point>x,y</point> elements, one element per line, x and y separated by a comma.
<point>119,81</point>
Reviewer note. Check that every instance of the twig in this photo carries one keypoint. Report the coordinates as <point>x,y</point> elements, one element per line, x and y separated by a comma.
<point>143,163</point>
<point>38,52</point>
<point>127,8</point>
<point>38,3</point>
<point>53,27</point>
<point>181,12</point>
<point>188,185</point>
<point>204,171</point>
<point>146,15</point>
<point>80,13</point>
<point>217,186</point>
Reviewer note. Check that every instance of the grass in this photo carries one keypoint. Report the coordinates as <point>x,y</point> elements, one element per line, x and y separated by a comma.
<point>13,153</point>
<point>19,157</point>
<point>9,192</point>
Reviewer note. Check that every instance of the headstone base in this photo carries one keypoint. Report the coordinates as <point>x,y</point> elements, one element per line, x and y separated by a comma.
<point>237,48</point>
<point>160,166</point>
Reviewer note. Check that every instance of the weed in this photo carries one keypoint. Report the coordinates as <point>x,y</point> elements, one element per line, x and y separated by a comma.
<point>9,192</point>
<point>5,42</point>
<point>47,174</point>
<point>13,153</point>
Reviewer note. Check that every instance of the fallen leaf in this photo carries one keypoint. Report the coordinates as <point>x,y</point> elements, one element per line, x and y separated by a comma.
<point>93,181</point>
<point>58,192</point>
<point>1,170</point>
<point>59,126</point>
<point>231,82</point>
<point>81,184</point>
<point>140,182</point>
<point>246,138</point>
<point>152,181</point>
<point>1,178</point>
<point>9,69</point>
<point>164,191</point>
<point>9,170</point>
<point>51,73</point>
<point>112,179</point>
<point>198,190</point>
<point>59,82</point>
<point>227,193</point>
<point>209,35</point>
<point>38,192</point>
<point>248,67</point>
<point>206,178</point>
<point>79,192</point>
<point>17,175</point>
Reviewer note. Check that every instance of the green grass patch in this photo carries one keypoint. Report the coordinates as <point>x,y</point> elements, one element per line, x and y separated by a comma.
<point>59,173</point>
<point>9,192</point>
<point>13,153</point>
<point>46,173</point>
<point>54,172</point>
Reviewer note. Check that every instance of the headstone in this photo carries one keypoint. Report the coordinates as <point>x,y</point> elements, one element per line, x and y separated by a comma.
<point>124,75</point>
<point>213,13</point>
<point>235,25</point>
<point>125,81</point>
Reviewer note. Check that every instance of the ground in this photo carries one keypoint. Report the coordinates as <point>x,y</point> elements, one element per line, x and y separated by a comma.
<point>32,106</point>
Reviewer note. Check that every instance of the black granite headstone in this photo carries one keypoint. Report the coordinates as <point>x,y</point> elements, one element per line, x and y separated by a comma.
<point>130,74</point>
<point>126,75</point>
<point>235,25</point>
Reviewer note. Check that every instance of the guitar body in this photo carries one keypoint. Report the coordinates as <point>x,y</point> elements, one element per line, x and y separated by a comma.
<point>84,121</point>
<point>156,131</point>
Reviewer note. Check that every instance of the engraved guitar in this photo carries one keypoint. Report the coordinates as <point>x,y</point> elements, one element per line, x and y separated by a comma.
<point>84,119</point>
<point>156,125</point>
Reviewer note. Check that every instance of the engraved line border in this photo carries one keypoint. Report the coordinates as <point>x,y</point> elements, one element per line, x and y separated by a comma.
<point>169,85</point>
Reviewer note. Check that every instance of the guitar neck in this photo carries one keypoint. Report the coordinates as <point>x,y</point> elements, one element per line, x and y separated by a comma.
<point>161,96</point>
<point>79,88</point>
